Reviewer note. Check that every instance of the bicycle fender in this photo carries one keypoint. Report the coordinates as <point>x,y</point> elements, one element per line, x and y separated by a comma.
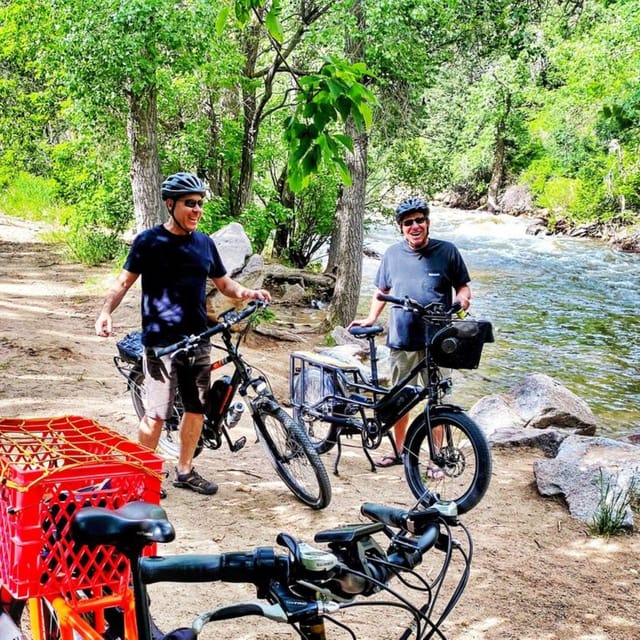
<point>442,408</point>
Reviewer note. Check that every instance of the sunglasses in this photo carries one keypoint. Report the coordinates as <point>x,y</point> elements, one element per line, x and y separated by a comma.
<point>409,221</point>
<point>191,204</point>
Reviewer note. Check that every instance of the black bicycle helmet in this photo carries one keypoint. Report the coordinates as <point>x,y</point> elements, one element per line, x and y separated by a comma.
<point>409,206</point>
<point>182,184</point>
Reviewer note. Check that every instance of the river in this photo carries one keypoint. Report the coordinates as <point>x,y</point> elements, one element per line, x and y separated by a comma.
<point>562,306</point>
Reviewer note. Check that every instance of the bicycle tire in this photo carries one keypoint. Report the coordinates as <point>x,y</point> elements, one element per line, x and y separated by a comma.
<point>308,388</point>
<point>465,460</point>
<point>169,442</point>
<point>292,455</point>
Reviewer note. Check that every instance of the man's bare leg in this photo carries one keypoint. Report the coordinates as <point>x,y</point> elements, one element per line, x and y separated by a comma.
<point>190,430</point>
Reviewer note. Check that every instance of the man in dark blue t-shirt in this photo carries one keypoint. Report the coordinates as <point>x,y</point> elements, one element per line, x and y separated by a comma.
<point>427,270</point>
<point>175,262</point>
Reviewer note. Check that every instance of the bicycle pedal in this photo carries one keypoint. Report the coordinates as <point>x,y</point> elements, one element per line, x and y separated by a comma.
<point>238,444</point>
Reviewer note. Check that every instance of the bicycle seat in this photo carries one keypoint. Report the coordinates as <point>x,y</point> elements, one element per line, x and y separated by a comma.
<point>365,332</point>
<point>140,523</point>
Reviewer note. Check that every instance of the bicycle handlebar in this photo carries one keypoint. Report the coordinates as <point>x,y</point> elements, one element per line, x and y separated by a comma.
<point>434,310</point>
<point>354,563</point>
<point>304,562</point>
<point>229,318</point>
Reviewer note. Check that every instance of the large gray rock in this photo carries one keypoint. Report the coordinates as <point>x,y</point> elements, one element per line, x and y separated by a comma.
<point>537,405</point>
<point>589,472</point>
<point>241,263</point>
<point>234,247</point>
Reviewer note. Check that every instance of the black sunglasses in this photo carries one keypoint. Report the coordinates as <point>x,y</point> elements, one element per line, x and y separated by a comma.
<point>409,221</point>
<point>190,203</point>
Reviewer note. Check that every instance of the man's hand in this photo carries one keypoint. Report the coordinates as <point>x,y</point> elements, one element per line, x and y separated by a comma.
<point>103,325</point>
<point>257,294</point>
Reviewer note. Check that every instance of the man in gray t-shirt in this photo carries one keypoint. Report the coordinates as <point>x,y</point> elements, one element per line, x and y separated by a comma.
<point>427,270</point>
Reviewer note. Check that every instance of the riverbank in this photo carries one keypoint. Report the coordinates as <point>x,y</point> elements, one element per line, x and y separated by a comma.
<point>536,574</point>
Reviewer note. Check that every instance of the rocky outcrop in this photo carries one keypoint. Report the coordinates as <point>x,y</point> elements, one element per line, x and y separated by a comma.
<point>517,200</point>
<point>241,263</point>
<point>591,473</point>
<point>539,403</point>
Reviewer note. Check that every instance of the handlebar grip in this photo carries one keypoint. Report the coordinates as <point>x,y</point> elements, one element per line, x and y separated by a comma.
<point>163,351</point>
<point>182,568</point>
<point>391,516</point>
<point>250,567</point>
<point>416,521</point>
<point>384,297</point>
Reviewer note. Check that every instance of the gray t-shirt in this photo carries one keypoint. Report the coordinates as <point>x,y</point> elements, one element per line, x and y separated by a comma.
<point>427,275</point>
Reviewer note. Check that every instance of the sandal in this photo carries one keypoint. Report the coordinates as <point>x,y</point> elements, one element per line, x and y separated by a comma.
<point>388,461</point>
<point>435,473</point>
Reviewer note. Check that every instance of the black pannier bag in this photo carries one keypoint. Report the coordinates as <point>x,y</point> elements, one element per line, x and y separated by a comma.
<point>459,345</point>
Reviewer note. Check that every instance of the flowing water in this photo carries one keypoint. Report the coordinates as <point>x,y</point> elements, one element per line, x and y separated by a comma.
<point>565,307</point>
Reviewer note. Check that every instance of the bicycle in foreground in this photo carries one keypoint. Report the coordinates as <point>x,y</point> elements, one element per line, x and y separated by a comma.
<point>446,455</point>
<point>302,585</point>
<point>285,441</point>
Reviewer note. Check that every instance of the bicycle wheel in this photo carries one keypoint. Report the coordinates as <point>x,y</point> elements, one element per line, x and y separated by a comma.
<point>458,469</point>
<point>292,455</point>
<point>309,388</point>
<point>169,442</point>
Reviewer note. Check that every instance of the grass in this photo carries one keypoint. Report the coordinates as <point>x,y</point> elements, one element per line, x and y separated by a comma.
<point>614,504</point>
<point>33,198</point>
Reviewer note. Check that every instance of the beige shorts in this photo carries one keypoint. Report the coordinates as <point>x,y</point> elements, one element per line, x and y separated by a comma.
<point>401,364</point>
<point>162,376</point>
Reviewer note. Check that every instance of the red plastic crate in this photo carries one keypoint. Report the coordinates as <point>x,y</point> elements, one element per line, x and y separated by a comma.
<point>49,468</point>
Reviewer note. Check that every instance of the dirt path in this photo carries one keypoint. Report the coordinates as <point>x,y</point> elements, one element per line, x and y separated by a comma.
<point>536,574</point>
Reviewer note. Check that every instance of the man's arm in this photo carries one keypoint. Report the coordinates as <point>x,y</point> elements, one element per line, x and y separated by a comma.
<point>122,284</point>
<point>232,289</point>
<point>374,311</point>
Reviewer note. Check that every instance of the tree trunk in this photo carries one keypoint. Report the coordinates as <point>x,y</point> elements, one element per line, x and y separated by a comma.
<point>350,223</point>
<point>142,131</point>
<point>497,170</point>
<point>346,258</point>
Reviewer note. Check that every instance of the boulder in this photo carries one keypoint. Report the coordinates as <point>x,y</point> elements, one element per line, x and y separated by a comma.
<point>242,265</point>
<point>589,473</point>
<point>234,247</point>
<point>516,200</point>
<point>530,410</point>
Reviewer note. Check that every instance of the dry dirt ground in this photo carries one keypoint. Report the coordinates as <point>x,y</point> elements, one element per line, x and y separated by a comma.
<point>536,573</point>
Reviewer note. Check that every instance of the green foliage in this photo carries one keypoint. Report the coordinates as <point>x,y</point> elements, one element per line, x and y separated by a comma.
<point>32,198</point>
<point>334,94</point>
<point>557,82</point>
<point>94,181</point>
<point>559,194</point>
<point>613,505</point>
<point>92,246</point>
<point>418,165</point>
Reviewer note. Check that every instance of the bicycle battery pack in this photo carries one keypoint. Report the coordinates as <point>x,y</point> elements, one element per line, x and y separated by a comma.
<point>218,396</point>
<point>394,405</point>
